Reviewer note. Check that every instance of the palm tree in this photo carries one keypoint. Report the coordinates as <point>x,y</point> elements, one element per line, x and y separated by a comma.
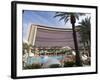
<point>85,33</point>
<point>72,17</point>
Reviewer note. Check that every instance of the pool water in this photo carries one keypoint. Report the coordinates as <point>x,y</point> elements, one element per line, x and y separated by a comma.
<point>43,59</point>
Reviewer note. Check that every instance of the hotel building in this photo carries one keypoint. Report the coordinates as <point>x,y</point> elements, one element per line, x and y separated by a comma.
<point>50,37</point>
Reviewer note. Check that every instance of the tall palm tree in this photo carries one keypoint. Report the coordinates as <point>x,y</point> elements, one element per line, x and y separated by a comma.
<point>85,33</point>
<point>72,17</point>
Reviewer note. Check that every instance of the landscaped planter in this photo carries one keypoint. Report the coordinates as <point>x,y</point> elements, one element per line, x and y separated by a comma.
<point>69,64</point>
<point>55,66</point>
<point>33,66</point>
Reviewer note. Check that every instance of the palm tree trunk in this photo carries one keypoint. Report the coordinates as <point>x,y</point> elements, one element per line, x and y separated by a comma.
<point>78,60</point>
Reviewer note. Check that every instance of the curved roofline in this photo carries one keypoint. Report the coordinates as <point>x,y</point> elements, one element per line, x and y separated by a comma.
<point>52,28</point>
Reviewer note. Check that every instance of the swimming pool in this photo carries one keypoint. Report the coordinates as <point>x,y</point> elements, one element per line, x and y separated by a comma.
<point>42,59</point>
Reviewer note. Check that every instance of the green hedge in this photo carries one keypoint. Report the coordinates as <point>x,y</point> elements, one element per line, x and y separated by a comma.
<point>54,66</point>
<point>69,64</point>
<point>33,66</point>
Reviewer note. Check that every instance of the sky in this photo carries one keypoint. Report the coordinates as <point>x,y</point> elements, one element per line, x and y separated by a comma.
<point>43,18</point>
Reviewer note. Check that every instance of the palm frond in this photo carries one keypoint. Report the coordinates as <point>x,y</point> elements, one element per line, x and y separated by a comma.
<point>58,14</point>
<point>61,18</point>
<point>66,19</point>
<point>66,15</point>
<point>85,29</point>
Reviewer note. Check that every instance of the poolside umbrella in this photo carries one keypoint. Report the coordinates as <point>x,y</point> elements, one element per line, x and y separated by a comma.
<point>41,52</point>
<point>66,47</point>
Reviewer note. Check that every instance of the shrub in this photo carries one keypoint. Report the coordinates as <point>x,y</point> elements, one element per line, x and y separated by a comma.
<point>69,64</point>
<point>33,66</point>
<point>54,66</point>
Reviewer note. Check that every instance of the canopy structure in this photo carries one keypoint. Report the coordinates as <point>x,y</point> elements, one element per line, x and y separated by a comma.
<point>50,37</point>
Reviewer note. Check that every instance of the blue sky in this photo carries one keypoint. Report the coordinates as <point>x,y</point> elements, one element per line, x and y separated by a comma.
<point>42,18</point>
